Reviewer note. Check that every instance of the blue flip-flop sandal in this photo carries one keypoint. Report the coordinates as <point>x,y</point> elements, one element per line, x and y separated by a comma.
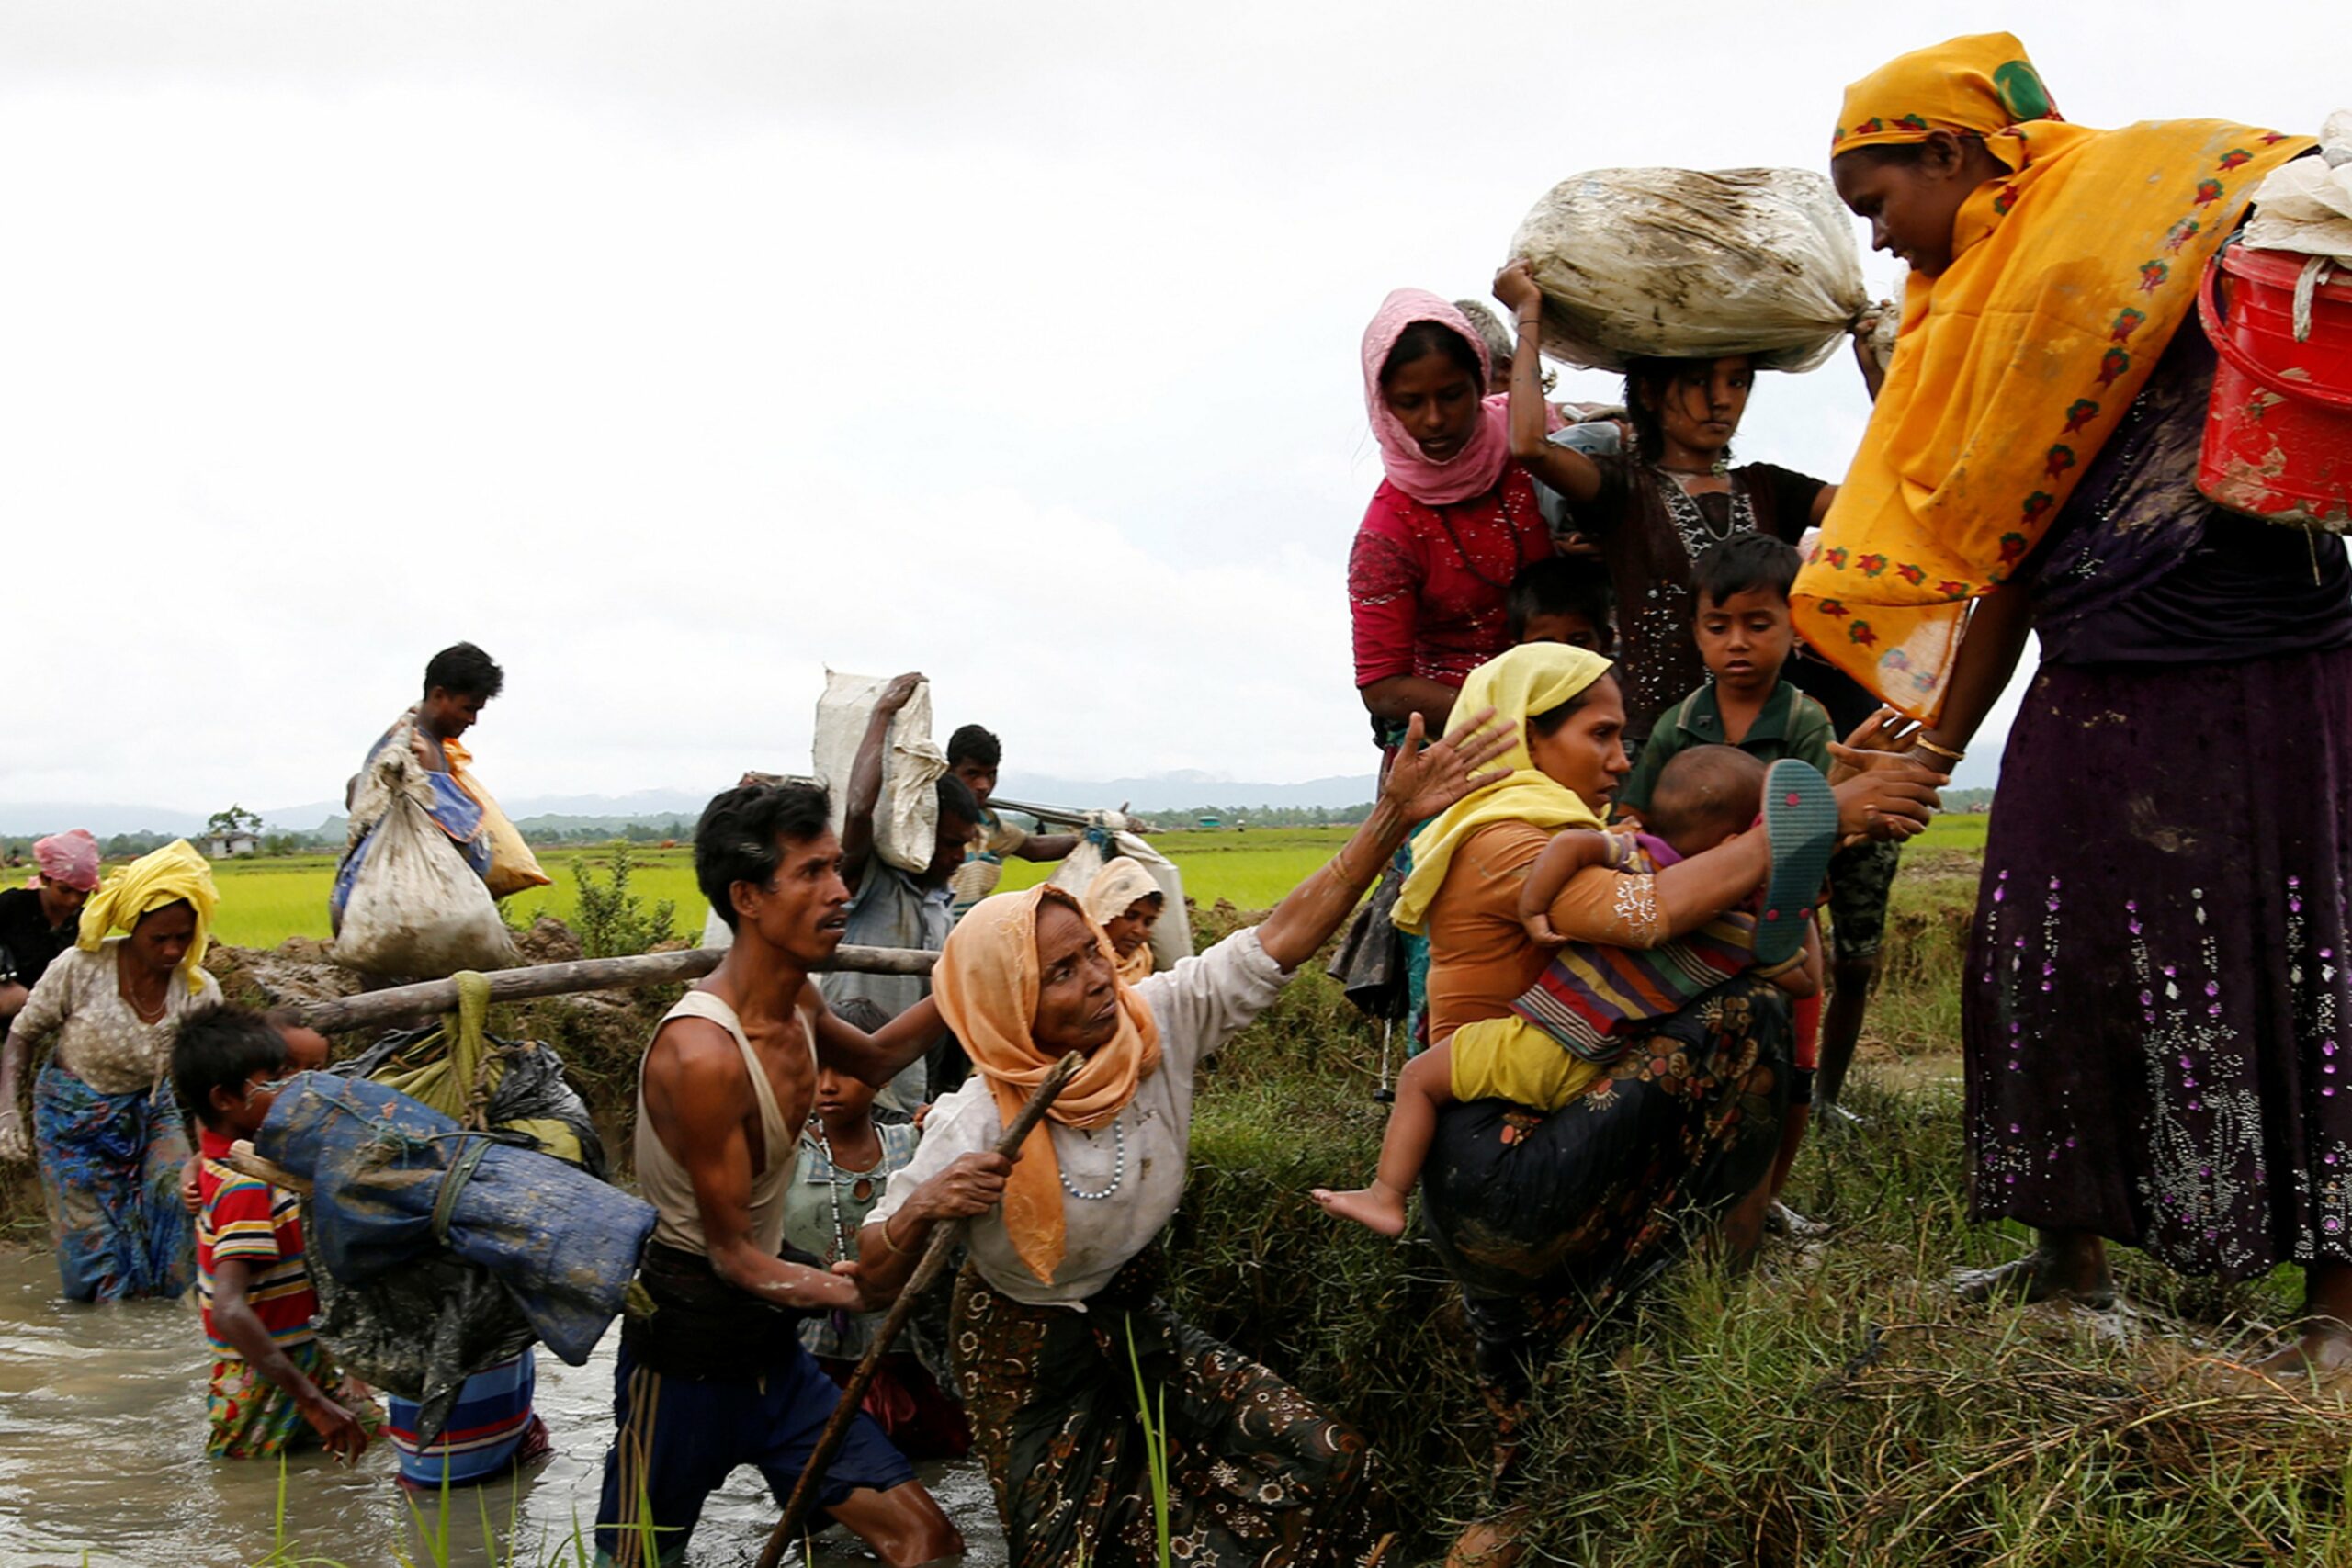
<point>1801,824</point>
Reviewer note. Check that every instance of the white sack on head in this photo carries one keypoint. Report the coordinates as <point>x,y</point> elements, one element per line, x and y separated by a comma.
<point>906,817</point>
<point>1684,263</point>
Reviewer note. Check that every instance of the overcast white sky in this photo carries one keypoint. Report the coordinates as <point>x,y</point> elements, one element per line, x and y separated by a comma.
<point>671,351</point>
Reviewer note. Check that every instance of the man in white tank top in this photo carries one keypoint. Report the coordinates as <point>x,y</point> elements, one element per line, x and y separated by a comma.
<point>716,1377</point>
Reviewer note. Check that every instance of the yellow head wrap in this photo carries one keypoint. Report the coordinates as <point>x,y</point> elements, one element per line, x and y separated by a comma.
<point>2070,271</point>
<point>1533,678</point>
<point>172,873</point>
<point>1974,85</point>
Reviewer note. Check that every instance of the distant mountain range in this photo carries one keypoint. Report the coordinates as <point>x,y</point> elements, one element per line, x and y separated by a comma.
<point>1162,791</point>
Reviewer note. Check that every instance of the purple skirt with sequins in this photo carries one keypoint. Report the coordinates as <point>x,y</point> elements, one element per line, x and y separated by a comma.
<point>2158,1001</point>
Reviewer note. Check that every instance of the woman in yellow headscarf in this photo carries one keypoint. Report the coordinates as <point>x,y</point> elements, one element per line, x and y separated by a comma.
<point>1126,903</point>
<point>1065,1271</point>
<point>1550,1219</point>
<point>104,1123</point>
<point>2150,1004</point>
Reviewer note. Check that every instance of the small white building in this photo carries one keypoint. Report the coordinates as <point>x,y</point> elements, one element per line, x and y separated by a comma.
<point>228,846</point>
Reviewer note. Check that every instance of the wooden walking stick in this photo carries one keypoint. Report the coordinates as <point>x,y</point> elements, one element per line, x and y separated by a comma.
<point>927,1270</point>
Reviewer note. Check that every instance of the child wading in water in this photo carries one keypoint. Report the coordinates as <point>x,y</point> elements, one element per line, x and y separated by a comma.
<point>1593,1000</point>
<point>271,1378</point>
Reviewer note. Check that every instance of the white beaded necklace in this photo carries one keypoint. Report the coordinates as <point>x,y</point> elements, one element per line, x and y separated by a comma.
<point>1118,1167</point>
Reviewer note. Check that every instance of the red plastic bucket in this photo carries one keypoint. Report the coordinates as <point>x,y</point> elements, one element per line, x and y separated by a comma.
<point>2279,430</point>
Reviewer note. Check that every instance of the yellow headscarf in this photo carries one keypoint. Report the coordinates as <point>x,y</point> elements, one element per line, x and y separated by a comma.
<point>172,873</point>
<point>1117,885</point>
<point>2069,276</point>
<point>1533,678</point>
<point>987,983</point>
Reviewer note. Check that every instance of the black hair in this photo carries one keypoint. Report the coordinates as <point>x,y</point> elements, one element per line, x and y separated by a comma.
<point>466,671</point>
<point>957,799</point>
<point>1423,338</point>
<point>1647,381</point>
<point>1547,723</point>
<point>221,1049</point>
<point>971,743</point>
<point>1742,562</point>
<point>863,1013</point>
<point>1560,585</point>
<point>1705,787</point>
<point>1906,153</point>
<point>742,832</point>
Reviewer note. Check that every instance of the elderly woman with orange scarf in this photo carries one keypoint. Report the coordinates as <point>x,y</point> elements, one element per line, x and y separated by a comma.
<point>104,1123</point>
<point>2153,1006</point>
<point>1063,1284</point>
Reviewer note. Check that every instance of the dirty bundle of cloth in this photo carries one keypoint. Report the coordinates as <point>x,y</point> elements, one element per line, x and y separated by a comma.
<point>441,1249</point>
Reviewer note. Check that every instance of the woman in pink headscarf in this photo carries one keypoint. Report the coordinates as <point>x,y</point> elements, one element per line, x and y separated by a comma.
<point>37,923</point>
<point>1450,525</point>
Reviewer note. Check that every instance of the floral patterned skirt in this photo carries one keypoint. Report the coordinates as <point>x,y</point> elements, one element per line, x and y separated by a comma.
<point>1256,1473</point>
<point>251,1418</point>
<point>1551,1222</point>
<point>110,1176</point>
<point>2158,1010</point>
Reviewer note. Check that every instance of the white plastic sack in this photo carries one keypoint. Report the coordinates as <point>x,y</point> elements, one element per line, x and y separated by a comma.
<point>2305,207</point>
<point>415,908</point>
<point>1691,264</point>
<point>906,817</point>
<point>1172,938</point>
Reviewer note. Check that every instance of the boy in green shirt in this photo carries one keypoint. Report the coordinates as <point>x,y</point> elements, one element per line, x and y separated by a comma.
<point>1740,588</point>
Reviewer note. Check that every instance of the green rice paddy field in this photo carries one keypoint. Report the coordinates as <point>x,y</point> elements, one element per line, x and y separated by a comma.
<point>263,901</point>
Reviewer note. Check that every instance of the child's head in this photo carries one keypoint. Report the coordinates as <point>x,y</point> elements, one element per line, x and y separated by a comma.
<point>224,1067</point>
<point>458,682</point>
<point>1740,618</point>
<point>1703,795</point>
<point>1561,599</point>
<point>841,1101</point>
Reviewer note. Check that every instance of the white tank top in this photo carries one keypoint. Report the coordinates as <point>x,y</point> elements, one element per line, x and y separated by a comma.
<point>661,1180</point>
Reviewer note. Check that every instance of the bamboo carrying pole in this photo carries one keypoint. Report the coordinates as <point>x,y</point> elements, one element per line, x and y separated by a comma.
<point>431,999</point>
<point>935,1254</point>
<point>245,1162</point>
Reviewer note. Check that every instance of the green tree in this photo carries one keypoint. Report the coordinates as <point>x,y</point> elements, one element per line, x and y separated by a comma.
<point>233,821</point>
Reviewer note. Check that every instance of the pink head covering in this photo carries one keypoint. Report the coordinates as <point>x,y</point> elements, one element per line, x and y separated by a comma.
<point>1474,468</point>
<point>68,860</point>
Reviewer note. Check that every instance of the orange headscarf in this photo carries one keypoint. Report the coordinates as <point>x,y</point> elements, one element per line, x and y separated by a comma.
<point>986,984</point>
<point>2070,273</point>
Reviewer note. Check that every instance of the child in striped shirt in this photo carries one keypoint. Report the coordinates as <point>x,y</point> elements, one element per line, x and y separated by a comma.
<point>274,1387</point>
<point>1593,999</point>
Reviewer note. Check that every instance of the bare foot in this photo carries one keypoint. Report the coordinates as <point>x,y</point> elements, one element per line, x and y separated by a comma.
<point>2323,1350</point>
<point>1376,1207</point>
<point>2064,1265</point>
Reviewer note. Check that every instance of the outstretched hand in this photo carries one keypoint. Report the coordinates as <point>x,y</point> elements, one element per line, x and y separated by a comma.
<point>1879,739</point>
<point>1424,780</point>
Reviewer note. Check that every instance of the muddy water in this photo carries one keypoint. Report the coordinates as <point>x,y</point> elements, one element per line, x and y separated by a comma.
<point>102,1460</point>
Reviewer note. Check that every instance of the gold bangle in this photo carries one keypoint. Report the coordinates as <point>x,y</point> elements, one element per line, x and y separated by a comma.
<point>1946,752</point>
